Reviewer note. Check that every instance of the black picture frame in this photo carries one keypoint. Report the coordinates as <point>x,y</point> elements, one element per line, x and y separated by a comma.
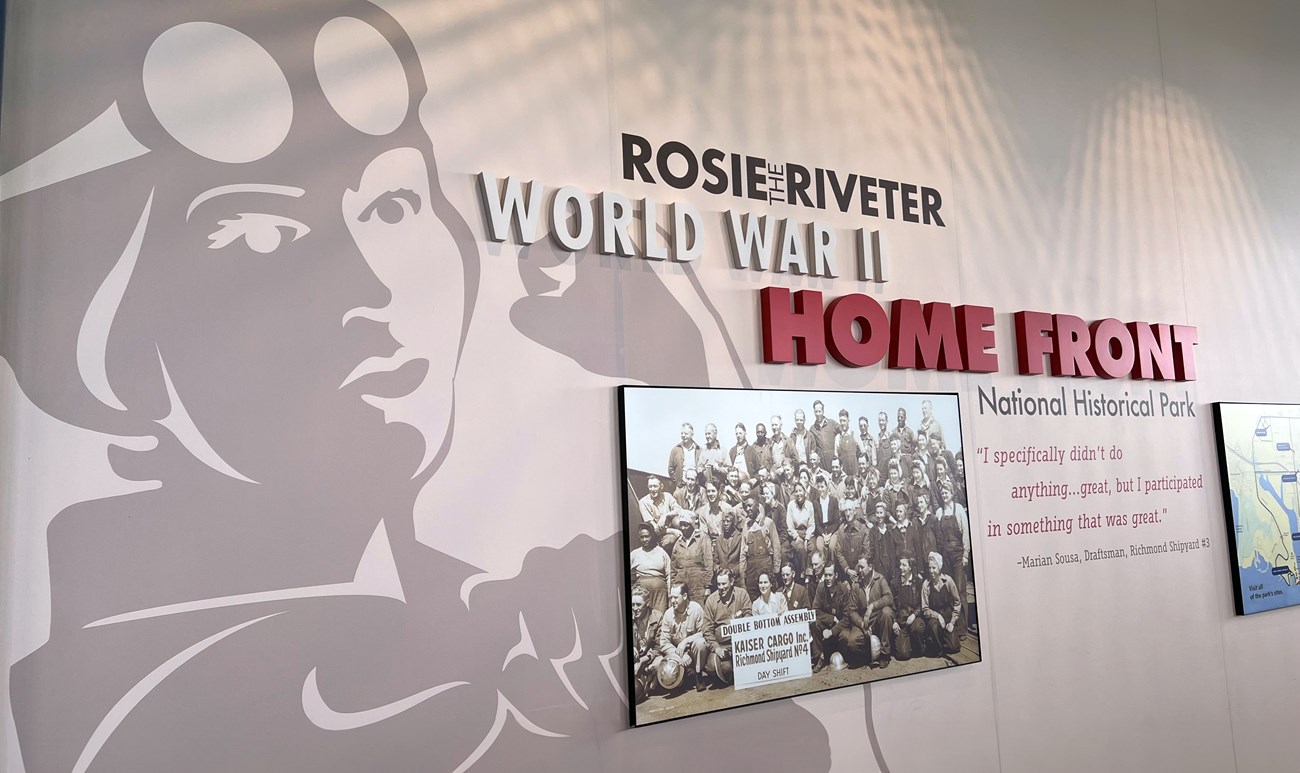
<point>1243,588</point>
<point>971,650</point>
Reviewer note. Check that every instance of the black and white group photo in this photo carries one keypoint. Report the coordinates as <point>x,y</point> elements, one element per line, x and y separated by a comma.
<point>749,503</point>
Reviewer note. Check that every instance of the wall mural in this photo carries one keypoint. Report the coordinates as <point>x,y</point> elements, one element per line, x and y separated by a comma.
<point>262,296</point>
<point>312,471</point>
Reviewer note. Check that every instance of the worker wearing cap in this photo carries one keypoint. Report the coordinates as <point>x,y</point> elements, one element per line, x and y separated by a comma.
<point>693,557</point>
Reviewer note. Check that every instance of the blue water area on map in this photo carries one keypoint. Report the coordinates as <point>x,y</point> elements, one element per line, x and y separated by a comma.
<point>1290,514</point>
<point>1261,590</point>
<point>1269,591</point>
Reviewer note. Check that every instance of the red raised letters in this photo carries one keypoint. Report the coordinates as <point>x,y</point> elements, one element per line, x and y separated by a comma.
<point>792,336</point>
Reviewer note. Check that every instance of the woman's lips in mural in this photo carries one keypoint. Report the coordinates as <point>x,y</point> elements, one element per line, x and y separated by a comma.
<point>388,377</point>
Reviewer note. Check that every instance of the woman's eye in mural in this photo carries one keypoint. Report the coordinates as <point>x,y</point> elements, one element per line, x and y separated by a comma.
<point>262,233</point>
<point>392,207</point>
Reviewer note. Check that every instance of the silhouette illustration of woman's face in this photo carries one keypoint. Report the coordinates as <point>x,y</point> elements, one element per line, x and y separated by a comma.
<point>296,276</point>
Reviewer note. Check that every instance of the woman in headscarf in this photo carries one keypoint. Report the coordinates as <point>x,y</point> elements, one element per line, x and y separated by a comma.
<point>727,545</point>
<point>231,262</point>
<point>693,558</point>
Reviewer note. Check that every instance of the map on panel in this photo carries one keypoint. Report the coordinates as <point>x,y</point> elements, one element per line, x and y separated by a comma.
<point>1259,464</point>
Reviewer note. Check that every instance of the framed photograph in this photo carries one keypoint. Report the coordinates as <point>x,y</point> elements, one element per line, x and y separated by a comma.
<point>1258,465</point>
<point>781,543</point>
